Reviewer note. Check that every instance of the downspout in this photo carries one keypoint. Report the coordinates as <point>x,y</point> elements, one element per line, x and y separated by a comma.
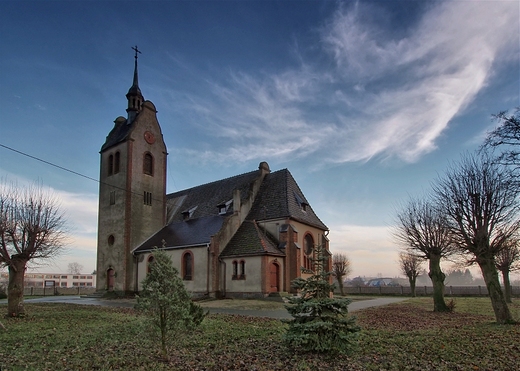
<point>136,284</point>
<point>208,269</point>
<point>223,294</point>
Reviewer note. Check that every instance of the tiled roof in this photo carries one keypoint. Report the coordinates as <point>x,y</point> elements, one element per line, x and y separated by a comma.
<point>191,232</point>
<point>118,134</point>
<point>251,240</point>
<point>207,197</point>
<point>278,197</point>
<point>281,197</point>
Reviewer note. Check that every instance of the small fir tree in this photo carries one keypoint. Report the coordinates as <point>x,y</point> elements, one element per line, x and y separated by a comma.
<point>166,302</point>
<point>320,322</point>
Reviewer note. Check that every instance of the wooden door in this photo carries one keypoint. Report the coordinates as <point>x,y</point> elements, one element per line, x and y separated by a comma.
<point>111,278</point>
<point>274,277</point>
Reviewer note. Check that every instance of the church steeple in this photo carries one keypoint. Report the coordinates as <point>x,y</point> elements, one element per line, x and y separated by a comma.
<point>134,95</point>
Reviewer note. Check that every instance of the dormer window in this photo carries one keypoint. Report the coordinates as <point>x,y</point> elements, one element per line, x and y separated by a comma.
<point>187,214</point>
<point>301,202</point>
<point>224,208</point>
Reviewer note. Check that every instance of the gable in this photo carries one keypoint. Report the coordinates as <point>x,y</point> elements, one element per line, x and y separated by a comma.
<point>281,197</point>
<point>250,239</point>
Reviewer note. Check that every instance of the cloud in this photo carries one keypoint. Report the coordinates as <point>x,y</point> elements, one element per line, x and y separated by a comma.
<point>80,212</point>
<point>378,93</point>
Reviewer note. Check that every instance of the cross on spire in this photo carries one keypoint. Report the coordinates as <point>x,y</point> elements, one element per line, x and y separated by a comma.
<point>136,51</point>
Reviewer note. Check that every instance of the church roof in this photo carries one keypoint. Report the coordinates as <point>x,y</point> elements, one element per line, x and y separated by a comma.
<point>118,134</point>
<point>193,232</point>
<point>196,214</point>
<point>280,196</point>
<point>205,199</point>
<point>250,239</point>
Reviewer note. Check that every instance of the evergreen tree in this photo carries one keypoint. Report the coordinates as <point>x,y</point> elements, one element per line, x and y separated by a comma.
<point>320,322</point>
<point>165,300</point>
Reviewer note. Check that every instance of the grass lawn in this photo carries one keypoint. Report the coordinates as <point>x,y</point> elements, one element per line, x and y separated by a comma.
<point>404,336</point>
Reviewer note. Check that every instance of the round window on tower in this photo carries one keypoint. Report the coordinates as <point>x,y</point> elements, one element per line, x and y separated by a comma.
<point>111,240</point>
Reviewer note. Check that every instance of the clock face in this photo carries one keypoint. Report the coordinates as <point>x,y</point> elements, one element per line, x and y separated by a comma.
<point>149,137</point>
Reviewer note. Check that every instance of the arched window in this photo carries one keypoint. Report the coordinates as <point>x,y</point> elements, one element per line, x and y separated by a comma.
<point>235,270</point>
<point>242,269</point>
<point>117,159</point>
<point>148,164</point>
<point>187,266</point>
<point>308,244</point>
<point>110,165</point>
<point>151,259</point>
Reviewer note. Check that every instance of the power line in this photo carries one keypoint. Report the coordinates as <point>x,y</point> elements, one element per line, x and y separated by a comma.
<point>86,176</point>
<point>49,163</point>
<point>72,171</point>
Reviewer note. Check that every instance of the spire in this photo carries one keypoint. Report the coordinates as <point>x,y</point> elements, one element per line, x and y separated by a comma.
<point>134,96</point>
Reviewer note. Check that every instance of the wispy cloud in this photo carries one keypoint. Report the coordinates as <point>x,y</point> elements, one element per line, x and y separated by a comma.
<point>80,212</point>
<point>377,94</point>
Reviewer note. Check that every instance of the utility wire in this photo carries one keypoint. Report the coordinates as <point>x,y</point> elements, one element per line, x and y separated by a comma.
<point>48,163</point>
<point>72,171</point>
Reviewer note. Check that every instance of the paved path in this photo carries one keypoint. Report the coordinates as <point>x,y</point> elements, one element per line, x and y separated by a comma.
<point>272,313</point>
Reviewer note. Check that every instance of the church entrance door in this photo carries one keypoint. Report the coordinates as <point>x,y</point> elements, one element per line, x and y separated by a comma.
<point>111,278</point>
<point>274,273</point>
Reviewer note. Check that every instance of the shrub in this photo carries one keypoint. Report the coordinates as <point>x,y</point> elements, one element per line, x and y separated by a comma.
<point>320,323</point>
<point>165,300</point>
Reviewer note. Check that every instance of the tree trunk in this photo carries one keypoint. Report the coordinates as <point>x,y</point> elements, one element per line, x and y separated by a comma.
<point>412,280</point>
<point>498,301</point>
<point>340,284</point>
<point>15,287</point>
<point>507,285</point>
<point>437,277</point>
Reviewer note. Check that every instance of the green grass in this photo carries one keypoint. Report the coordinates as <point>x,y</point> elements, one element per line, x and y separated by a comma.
<point>404,336</point>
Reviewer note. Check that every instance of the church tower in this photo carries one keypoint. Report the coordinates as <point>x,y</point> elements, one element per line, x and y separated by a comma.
<point>132,190</point>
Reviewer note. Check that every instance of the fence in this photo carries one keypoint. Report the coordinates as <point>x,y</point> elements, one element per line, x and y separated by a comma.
<point>49,291</point>
<point>421,290</point>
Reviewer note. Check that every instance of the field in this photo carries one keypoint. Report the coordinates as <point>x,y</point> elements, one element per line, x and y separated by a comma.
<point>404,336</point>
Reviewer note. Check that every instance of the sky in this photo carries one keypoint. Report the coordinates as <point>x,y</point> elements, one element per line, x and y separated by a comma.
<point>365,102</point>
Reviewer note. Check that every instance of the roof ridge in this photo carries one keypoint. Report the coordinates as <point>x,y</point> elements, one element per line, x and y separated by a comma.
<point>213,182</point>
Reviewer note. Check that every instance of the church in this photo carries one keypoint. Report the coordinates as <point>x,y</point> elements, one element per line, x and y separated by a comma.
<point>244,236</point>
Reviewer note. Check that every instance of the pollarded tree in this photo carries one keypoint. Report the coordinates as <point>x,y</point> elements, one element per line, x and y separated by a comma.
<point>506,136</point>
<point>32,227</point>
<point>165,300</point>
<point>479,199</point>
<point>506,261</point>
<point>341,268</point>
<point>424,231</point>
<point>410,265</point>
<point>320,322</point>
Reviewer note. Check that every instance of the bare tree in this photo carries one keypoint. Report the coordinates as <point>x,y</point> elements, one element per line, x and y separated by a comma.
<point>31,228</point>
<point>74,268</point>
<point>480,201</point>
<point>341,268</point>
<point>423,231</point>
<point>410,265</point>
<point>508,260</point>
<point>506,136</point>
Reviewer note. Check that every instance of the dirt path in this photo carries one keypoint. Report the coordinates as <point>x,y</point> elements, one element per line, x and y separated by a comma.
<point>254,308</point>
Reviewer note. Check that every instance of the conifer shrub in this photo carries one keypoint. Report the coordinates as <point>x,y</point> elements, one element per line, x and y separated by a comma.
<point>166,302</point>
<point>320,323</point>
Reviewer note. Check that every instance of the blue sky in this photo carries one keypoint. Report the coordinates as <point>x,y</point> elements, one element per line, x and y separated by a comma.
<point>364,102</point>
